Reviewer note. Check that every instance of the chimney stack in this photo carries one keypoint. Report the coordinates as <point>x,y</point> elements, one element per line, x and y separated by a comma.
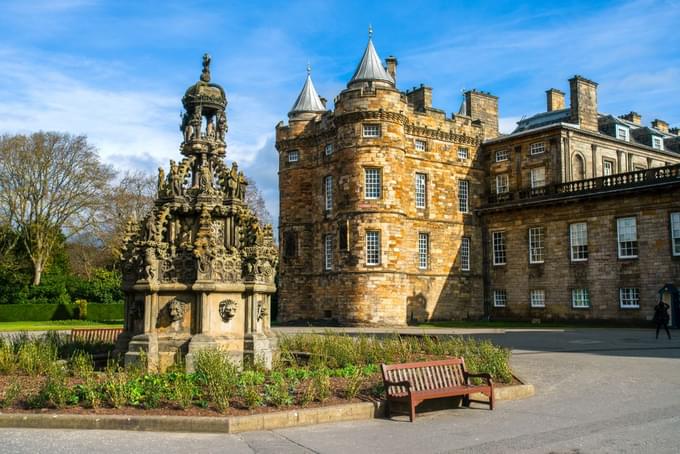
<point>660,125</point>
<point>483,106</point>
<point>555,99</point>
<point>392,67</point>
<point>633,117</point>
<point>420,97</point>
<point>583,93</point>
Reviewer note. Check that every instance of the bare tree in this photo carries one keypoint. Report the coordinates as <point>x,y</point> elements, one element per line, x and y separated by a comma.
<point>255,201</point>
<point>50,184</point>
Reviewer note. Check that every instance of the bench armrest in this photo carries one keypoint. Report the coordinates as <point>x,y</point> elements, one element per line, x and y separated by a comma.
<point>485,376</point>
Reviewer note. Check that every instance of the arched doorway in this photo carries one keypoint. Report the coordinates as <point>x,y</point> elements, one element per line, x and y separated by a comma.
<point>670,294</point>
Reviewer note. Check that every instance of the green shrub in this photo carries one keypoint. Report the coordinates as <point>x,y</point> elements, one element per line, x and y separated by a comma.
<point>36,357</point>
<point>278,391</point>
<point>53,311</point>
<point>116,389</point>
<point>55,391</point>
<point>10,395</point>
<point>7,357</point>
<point>353,384</point>
<point>183,389</point>
<point>81,364</point>
<point>307,393</point>
<point>81,309</point>
<point>152,388</point>
<point>89,393</point>
<point>322,385</point>
<point>218,375</point>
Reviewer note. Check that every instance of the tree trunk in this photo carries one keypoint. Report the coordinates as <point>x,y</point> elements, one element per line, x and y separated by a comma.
<point>37,273</point>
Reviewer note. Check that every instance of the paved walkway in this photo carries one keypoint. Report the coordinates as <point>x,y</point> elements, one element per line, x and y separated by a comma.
<point>597,390</point>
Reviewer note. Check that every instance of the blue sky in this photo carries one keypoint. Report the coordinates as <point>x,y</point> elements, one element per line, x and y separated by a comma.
<point>116,71</point>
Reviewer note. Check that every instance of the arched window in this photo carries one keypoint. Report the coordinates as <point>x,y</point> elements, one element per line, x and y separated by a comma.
<point>579,168</point>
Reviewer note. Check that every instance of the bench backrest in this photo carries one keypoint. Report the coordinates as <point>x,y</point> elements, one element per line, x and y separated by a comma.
<point>108,335</point>
<point>425,375</point>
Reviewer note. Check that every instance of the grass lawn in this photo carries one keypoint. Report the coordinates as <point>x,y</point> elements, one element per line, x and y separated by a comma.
<point>509,325</point>
<point>56,325</point>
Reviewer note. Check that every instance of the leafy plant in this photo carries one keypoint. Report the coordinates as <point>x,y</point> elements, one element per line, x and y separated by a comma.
<point>218,375</point>
<point>89,393</point>
<point>81,364</point>
<point>152,389</point>
<point>277,392</point>
<point>353,384</point>
<point>7,357</point>
<point>10,395</point>
<point>55,390</point>
<point>116,389</point>
<point>36,357</point>
<point>183,390</point>
<point>322,385</point>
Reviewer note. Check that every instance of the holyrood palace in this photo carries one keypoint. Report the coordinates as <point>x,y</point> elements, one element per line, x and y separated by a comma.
<point>393,211</point>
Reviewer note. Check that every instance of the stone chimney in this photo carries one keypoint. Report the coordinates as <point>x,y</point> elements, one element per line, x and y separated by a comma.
<point>420,97</point>
<point>633,117</point>
<point>392,67</point>
<point>483,106</point>
<point>583,93</point>
<point>660,125</point>
<point>555,99</point>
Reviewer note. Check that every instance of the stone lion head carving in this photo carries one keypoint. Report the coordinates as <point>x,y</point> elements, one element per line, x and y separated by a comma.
<point>227,309</point>
<point>176,309</point>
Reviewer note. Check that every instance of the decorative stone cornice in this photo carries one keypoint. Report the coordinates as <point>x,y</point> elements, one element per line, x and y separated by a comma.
<point>438,134</point>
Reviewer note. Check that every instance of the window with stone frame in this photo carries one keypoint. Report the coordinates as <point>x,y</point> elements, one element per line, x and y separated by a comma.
<point>629,298</point>
<point>498,247</point>
<point>657,142</point>
<point>372,179</point>
<point>328,252</point>
<point>293,155</point>
<point>290,244</point>
<point>675,233</point>
<point>502,155</point>
<point>502,183</point>
<point>580,299</point>
<point>371,130</point>
<point>537,298</point>
<point>423,250</point>
<point>626,232</point>
<point>328,149</point>
<point>500,298</point>
<point>463,153</point>
<point>343,236</point>
<point>420,145</point>
<point>607,167</point>
<point>372,247</point>
<point>537,175</point>
<point>537,148</point>
<point>328,192</point>
<point>536,244</point>
<point>421,190</point>
<point>578,240</point>
<point>465,254</point>
<point>463,196</point>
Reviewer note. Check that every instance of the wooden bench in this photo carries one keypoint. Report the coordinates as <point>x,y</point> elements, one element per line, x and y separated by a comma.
<point>106,335</point>
<point>412,383</point>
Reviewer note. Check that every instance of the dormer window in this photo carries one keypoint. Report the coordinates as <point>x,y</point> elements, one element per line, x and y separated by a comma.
<point>657,142</point>
<point>537,148</point>
<point>371,130</point>
<point>293,156</point>
<point>622,133</point>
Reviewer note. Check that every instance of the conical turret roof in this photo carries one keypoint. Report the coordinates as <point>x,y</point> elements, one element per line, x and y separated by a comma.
<point>308,100</point>
<point>370,67</point>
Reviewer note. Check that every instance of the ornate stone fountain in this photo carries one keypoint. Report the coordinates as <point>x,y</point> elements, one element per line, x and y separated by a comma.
<point>198,271</point>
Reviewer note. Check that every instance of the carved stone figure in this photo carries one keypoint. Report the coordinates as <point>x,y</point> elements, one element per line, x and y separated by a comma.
<point>261,310</point>
<point>227,309</point>
<point>176,310</point>
<point>150,264</point>
<point>221,125</point>
<point>151,228</point>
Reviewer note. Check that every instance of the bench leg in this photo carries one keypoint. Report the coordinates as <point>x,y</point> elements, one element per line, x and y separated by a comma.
<point>413,411</point>
<point>387,408</point>
<point>492,399</point>
<point>466,401</point>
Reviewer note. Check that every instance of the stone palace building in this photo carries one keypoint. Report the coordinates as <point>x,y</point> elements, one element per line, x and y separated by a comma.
<point>393,211</point>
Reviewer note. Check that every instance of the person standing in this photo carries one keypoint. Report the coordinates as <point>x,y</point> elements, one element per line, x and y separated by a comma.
<point>661,318</point>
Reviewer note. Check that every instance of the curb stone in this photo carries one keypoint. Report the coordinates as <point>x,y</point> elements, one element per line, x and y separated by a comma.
<point>226,424</point>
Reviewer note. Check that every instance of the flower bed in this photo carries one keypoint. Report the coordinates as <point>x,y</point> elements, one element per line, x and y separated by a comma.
<point>310,370</point>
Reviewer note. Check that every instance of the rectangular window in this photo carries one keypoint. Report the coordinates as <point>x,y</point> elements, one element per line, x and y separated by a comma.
<point>538,177</point>
<point>463,153</point>
<point>465,254</point>
<point>580,298</point>
<point>343,235</point>
<point>502,155</point>
<point>328,149</point>
<point>500,298</point>
<point>622,133</point>
<point>537,148</point>
<point>328,252</point>
<point>290,244</point>
<point>498,239</point>
<point>328,188</point>
<point>421,145</point>
<point>423,248</point>
<point>578,238</point>
<point>657,142</point>
<point>536,247</point>
<point>607,168</point>
<point>502,183</point>
<point>293,156</point>
<point>371,130</point>
<point>373,184</point>
<point>421,190</point>
<point>629,298</point>
<point>463,196</point>
<point>372,247</point>
<point>626,231</point>
<point>537,298</point>
<point>675,233</point>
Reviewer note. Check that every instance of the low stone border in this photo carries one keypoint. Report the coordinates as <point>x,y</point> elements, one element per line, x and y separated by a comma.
<point>218,424</point>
